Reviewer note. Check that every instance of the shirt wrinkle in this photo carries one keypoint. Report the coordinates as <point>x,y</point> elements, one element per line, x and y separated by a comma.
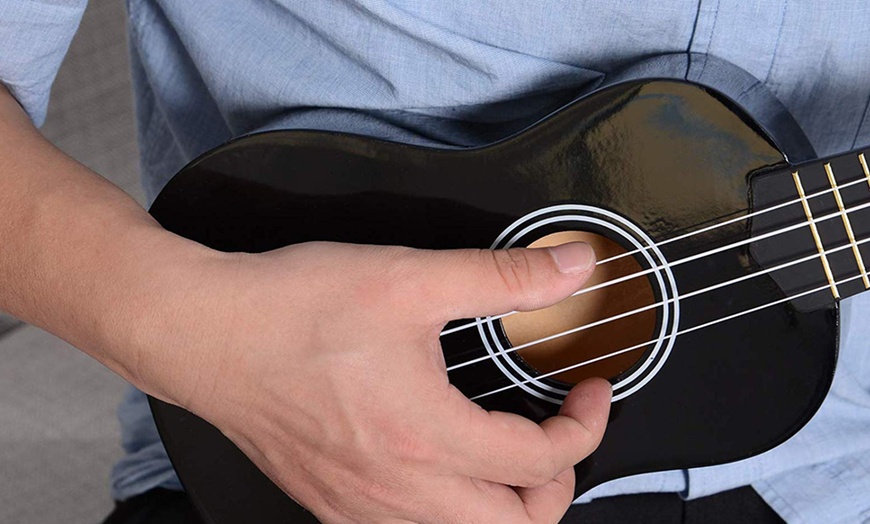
<point>354,58</point>
<point>778,39</point>
<point>864,119</point>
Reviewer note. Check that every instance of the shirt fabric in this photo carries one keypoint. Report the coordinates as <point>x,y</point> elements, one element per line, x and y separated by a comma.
<point>463,73</point>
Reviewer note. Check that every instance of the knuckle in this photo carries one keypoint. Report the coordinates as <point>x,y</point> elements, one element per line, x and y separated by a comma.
<point>586,438</point>
<point>407,285</point>
<point>514,268</point>
<point>541,470</point>
<point>381,495</point>
<point>373,487</point>
<point>390,283</point>
<point>538,476</point>
<point>371,291</point>
<point>388,490</point>
<point>410,449</point>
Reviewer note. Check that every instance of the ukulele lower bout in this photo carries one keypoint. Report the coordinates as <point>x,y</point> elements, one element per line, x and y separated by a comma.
<point>621,326</point>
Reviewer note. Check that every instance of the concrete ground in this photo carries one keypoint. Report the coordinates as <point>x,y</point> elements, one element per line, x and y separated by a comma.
<point>58,432</point>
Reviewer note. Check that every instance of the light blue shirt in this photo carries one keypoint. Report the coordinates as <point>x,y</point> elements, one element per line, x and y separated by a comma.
<point>462,73</point>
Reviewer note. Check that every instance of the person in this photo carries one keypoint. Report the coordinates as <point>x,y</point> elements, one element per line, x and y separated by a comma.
<point>221,334</point>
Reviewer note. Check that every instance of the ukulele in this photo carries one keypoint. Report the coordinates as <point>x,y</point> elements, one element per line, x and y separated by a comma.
<point>723,249</point>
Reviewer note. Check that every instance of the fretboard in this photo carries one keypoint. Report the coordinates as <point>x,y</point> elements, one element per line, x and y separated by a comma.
<point>832,203</point>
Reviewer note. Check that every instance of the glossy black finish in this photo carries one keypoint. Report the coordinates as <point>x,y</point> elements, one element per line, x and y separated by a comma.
<point>666,154</point>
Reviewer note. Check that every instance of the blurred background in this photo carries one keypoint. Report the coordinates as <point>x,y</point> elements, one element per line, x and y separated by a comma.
<point>58,432</point>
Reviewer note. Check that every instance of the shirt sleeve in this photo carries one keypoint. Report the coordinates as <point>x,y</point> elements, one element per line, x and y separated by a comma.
<point>34,37</point>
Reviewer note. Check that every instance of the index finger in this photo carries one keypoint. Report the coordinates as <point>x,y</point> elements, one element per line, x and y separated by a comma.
<point>548,503</point>
<point>512,450</point>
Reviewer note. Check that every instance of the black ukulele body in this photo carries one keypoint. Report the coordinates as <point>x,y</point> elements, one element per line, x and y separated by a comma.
<point>662,150</point>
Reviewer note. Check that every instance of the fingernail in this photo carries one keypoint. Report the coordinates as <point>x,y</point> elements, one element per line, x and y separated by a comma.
<point>575,257</point>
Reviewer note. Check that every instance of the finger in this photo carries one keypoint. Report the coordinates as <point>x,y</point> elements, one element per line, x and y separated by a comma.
<point>513,450</point>
<point>471,282</point>
<point>462,499</point>
<point>548,503</point>
<point>475,500</point>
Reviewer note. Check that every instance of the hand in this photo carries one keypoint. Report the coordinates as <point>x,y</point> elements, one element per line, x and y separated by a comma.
<point>322,363</point>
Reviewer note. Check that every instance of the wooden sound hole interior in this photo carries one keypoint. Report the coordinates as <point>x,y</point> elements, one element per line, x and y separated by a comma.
<point>562,352</point>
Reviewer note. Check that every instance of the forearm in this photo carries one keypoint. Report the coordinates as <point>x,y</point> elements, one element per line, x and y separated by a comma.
<point>79,257</point>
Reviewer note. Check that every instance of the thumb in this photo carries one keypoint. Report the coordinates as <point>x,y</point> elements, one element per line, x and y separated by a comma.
<point>474,282</point>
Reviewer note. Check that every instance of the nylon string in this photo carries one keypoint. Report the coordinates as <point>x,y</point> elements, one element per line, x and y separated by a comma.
<point>657,304</point>
<point>672,335</point>
<point>770,234</point>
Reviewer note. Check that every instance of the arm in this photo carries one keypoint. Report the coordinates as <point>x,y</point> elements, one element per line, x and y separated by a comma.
<point>79,257</point>
<point>347,408</point>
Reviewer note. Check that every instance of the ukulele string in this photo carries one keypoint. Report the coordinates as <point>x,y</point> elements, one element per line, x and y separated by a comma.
<point>655,305</point>
<point>804,223</point>
<point>666,337</point>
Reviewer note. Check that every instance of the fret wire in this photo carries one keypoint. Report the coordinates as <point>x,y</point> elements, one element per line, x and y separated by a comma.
<point>847,224</point>
<point>864,165</point>
<point>815,233</point>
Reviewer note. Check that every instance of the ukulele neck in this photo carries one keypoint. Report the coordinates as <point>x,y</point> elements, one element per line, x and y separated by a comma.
<point>823,231</point>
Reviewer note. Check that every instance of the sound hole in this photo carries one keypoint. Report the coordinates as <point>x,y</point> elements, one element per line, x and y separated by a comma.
<point>588,344</point>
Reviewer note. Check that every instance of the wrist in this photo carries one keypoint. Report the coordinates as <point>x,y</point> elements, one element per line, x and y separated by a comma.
<point>80,258</point>
<point>149,328</point>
